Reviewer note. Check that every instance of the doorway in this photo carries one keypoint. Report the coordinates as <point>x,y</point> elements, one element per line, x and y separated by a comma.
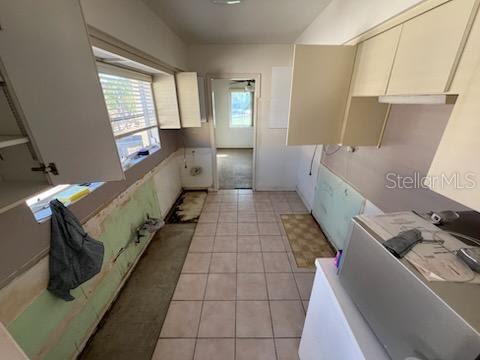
<point>233,108</point>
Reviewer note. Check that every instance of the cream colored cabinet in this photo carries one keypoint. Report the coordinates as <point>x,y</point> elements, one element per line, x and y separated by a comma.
<point>322,111</point>
<point>320,89</point>
<point>455,170</point>
<point>373,63</point>
<point>166,102</point>
<point>188,99</point>
<point>469,59</point>
<point>430,48</point>
<point>51,101</point>
<point>364,122</point>
<point>177,99</point>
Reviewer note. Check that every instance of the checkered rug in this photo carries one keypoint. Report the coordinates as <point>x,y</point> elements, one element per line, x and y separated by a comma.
<point>306,239</point>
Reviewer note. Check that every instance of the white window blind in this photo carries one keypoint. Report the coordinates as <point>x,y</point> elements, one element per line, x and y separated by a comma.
<point>129,103</point>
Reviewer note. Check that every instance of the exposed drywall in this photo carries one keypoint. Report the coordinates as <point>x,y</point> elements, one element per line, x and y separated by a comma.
<point>276,163</point>
<point>136,24</point>
<point>343,20</point>
<point>409,144</point>
<point>226,136</point>
<point>50,328</point>
<point>47,327</point>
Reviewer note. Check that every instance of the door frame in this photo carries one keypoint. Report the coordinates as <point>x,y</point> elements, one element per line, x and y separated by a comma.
<point>211,118</point>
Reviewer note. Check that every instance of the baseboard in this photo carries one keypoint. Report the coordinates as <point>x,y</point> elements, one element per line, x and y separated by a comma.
<point>302,197</point>
<point>267,188</point>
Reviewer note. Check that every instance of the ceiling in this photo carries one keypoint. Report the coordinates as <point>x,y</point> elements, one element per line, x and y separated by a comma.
<point>252,21</point>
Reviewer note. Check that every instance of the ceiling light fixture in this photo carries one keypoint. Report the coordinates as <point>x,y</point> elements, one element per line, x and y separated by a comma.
<point>226,2</point>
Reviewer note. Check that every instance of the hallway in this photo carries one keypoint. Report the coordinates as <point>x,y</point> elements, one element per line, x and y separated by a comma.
<point>240,294</point>
<point>235,168</point>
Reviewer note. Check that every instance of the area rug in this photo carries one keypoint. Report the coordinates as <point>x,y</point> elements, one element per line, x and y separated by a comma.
<point>306,239</point>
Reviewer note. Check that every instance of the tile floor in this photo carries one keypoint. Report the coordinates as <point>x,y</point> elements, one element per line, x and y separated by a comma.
<point>240,294</point>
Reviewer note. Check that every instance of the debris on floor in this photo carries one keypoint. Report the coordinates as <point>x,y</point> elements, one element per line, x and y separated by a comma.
<point>188,207</point>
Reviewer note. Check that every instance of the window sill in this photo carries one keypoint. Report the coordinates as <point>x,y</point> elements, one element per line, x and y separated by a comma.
<point>67,196</point>
<point>135,158</point>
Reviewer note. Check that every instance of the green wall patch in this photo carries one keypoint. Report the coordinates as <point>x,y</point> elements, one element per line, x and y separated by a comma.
<point>50,328</point>
<point>335,204</point>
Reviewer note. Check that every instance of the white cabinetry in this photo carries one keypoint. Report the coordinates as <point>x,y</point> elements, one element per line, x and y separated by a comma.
<point>52,107</point>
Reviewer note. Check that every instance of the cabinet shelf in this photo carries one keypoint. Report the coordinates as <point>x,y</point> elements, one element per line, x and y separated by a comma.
<point>12,193</point>
<point>7,141</point>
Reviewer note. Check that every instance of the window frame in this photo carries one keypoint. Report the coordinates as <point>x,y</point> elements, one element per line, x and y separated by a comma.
<point>230,123</point>
<point>118,71</point>
<point>40,209</point>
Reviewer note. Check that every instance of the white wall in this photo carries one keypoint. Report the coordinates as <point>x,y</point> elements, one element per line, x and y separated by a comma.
<point>225,136</point>
<point>134,23</point>
<point>307,173</point>
<point>343,20</point>
<point>195,157</point>
<point>168,184</point>
<point>276,164</point>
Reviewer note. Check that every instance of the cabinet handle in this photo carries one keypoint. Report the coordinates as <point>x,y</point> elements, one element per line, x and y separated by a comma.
<point>51,168</point>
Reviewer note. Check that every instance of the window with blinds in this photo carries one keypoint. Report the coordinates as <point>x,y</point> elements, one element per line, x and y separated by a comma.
<point>130,105</point>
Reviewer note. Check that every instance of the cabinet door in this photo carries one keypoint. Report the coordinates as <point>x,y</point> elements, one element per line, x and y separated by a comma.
<point>188,99</point>
<point>457,155</point>
<point>49,65</point>
<point>320,88</point>
<point>202,99</point>
<point>373,63</point>
<point>429,49</point>
<point>468,61</point>
<point>365,120</point>
<point>166,103</point>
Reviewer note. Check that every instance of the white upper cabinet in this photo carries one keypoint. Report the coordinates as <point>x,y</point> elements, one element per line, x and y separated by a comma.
<point>166,103</point>
<point>320,90</point>
<point>202,99</point>
<point>373,63</point>
<point>429,49</point>
<point>468,61</point>
<point>188,99</point>
<point>456,158</point>
<point>48,65</point>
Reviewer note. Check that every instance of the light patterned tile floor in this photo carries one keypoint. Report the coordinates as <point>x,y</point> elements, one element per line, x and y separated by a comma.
<point>240,295</point>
